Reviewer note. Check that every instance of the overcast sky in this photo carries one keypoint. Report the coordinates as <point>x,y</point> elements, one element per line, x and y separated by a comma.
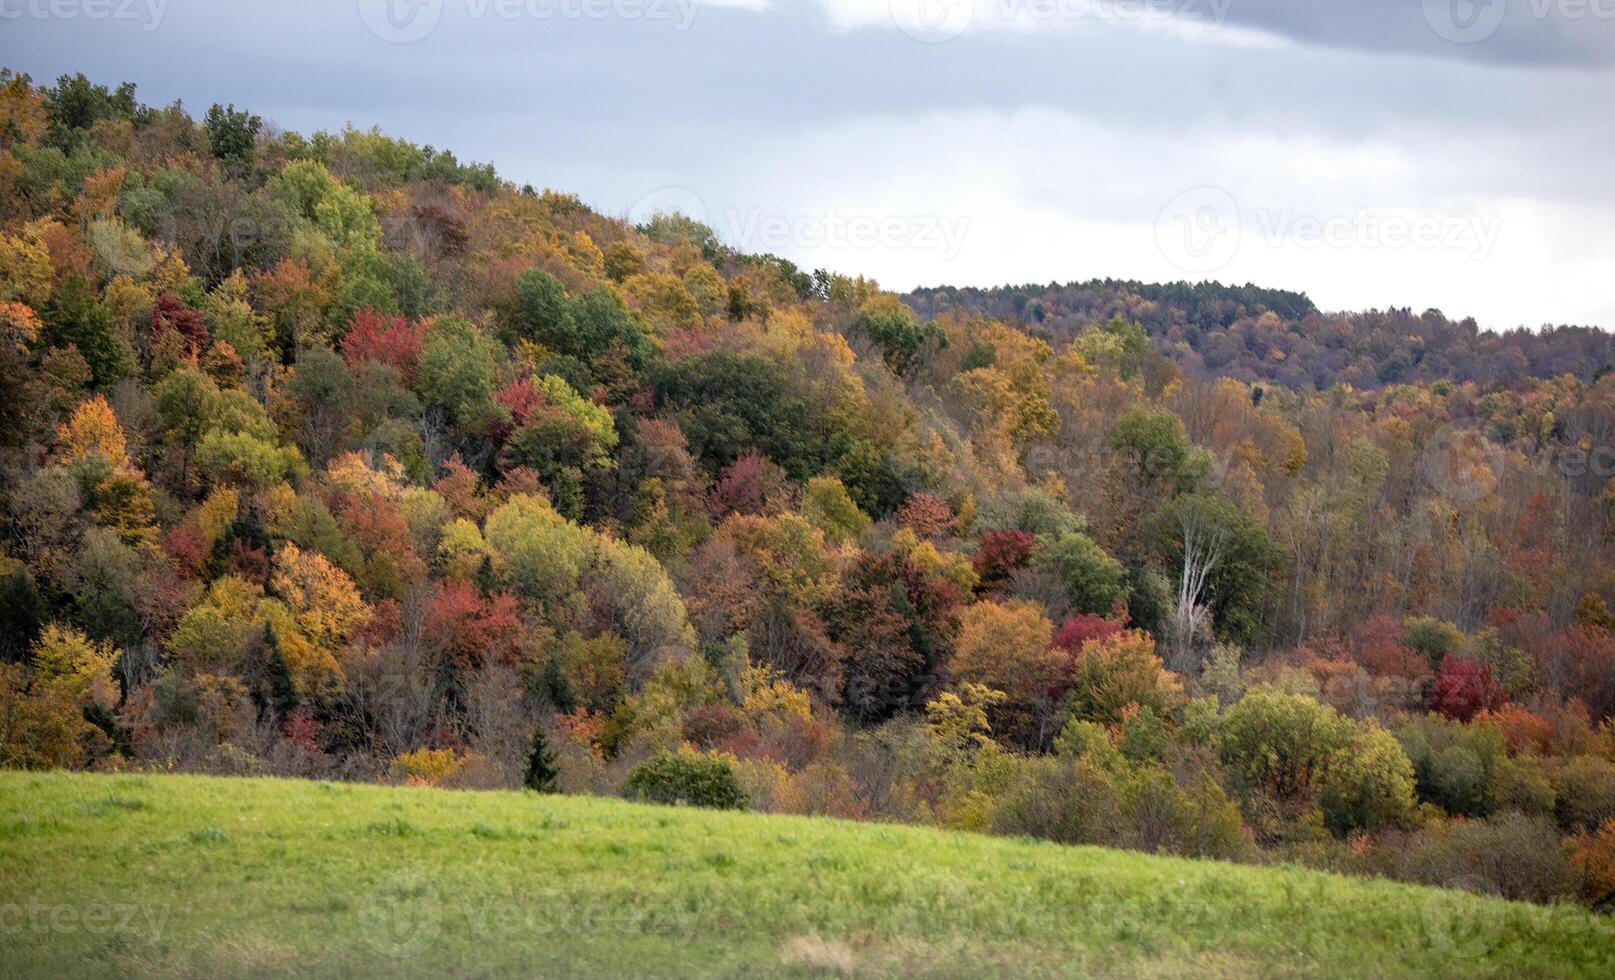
<point>1423,153</point>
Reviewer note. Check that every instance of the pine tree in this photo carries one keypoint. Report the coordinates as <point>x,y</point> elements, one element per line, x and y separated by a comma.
<point>541,771</point>
<point>557,689</point>
<point>22,614</point>
<point>487,581</point>
<point>282,693</point>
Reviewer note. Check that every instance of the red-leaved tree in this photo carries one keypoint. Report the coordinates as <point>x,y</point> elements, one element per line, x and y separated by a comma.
<point>1464,688</point>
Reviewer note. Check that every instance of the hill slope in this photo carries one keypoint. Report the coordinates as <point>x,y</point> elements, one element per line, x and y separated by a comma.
<point>1276,336</point>
<point>181,876</point>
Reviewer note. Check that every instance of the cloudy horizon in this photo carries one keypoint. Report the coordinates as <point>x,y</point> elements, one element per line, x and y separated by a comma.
<point>1421,153</point>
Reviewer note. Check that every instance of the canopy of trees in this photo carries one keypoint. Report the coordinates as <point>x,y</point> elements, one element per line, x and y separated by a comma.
<point>334,456</point>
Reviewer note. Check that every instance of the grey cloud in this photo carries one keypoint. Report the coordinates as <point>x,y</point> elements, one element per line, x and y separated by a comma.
<point>1527,33</point>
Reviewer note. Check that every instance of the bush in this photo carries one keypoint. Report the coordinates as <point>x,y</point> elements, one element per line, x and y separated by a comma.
<point>1369,784</point>
<point>1521,784</point>
<point>1454,763</point>
<point>428,767</point>
<point>1586,788</point>
<point>1593,856</point>
<point>687,777</point>
<point>1069,801</point>
<point>1200,821</point>
<point>1511,855</point>
<point>1093,579</point>
<point>1281,743</point>
<point>1117,671</point>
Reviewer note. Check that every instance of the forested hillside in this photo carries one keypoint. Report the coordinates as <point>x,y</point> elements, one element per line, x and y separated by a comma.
<point>1252,334</point>
<point>333,456</point>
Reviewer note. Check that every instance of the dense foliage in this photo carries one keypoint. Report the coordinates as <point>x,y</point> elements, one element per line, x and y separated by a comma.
<point>1253,334</point>
<point>333,456</point>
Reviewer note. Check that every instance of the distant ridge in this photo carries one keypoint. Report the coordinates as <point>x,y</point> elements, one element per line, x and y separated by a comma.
<point>1252,333</point>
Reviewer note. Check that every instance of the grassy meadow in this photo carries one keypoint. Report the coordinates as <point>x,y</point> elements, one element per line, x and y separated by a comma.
<point>180,876</point>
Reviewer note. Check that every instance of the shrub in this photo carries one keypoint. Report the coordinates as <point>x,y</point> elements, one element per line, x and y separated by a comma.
<point>1200,821</point>
<point>427,767</point>
<point>1142,734</point>
<point>1511,855</point>
<point>1369,784</point>
<point>1593,856</point>
<point>1112,673</point>
<point>1079,739</point>
<point>687,777</point>
<point>1453,763</point>
<point>1069,801</point>
<point>1281,743</point>
<point>1521,784</point>
<point>1586,788</point>
<point>822,789</point>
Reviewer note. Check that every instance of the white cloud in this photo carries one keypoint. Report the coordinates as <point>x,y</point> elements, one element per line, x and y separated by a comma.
<point>1039,195</point>
<point>940,21</point>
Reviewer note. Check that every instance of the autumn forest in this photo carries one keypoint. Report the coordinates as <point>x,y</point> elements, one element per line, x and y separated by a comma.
<point>333,456</point>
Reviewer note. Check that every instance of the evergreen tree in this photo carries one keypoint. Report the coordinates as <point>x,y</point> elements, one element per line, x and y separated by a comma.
<point>22,614</point>
<point>557,690</point>
<point>541,771</point>
<point>282,694</point>
<point>487,579</point>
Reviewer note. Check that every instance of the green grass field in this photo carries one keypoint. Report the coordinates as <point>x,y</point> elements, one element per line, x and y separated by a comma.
<point>189,876</point>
